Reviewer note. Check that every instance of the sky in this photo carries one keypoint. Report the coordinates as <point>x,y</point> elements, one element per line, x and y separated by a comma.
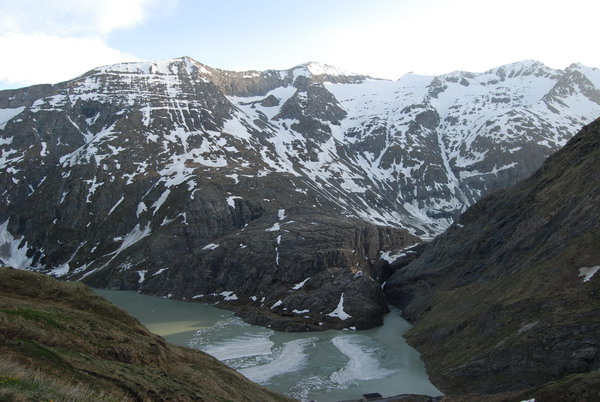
<point>43,41</point>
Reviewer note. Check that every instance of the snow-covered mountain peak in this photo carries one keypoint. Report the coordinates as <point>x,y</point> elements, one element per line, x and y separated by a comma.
<point>317,68</point>
<point>412,77</point>
<point>313,68</point>
<point>523,68</point>
<point>591,73</point>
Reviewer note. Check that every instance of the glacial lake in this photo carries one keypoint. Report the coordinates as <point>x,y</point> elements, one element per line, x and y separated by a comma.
<point>322,366</point>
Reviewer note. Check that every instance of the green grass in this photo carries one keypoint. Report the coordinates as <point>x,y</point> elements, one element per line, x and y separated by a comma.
<point>19,383</point>
<point>47,319</point>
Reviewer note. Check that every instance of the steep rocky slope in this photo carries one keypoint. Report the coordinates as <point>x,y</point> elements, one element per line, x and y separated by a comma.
<point>181,180</point>
<point>63,333</point>
<point>507,298</point>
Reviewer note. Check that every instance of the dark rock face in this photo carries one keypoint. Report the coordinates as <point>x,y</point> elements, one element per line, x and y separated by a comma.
<point>314,107</point>
<point>260,83</point>
<point>289,274</point>
<point>501,301</point>
<point>169,177</point>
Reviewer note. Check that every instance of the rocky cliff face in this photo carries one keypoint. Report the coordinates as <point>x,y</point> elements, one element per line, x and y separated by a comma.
<point>507,298</point>
<point>61,341</point>
<point>175,178</point>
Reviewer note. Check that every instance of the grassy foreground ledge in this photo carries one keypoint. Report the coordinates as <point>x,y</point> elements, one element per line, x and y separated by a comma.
<point>61,341</point>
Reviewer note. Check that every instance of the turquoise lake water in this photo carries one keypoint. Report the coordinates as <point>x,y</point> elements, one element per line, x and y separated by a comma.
<point>322,366</point>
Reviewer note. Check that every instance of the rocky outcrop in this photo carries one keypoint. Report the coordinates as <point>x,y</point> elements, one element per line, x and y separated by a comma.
<point>287,270</point>
<point>506,299</point>
<point>65,341</point>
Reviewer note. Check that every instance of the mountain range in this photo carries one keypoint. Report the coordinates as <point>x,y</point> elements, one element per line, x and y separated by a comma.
<point>285,195</point>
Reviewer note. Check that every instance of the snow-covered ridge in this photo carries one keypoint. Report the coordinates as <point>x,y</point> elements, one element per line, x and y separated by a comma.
<point>163,67</point>
<point>173,67</point>
<point>316,68</point>
<point>522,68</point>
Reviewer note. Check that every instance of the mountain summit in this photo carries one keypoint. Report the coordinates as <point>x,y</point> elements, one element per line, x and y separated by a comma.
<point>279,193</point>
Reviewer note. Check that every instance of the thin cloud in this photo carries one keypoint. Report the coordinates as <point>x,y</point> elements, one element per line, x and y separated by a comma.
<point>436,37</point>
<point>48,42</point>
<point>39,58</point>
<point>73,17</point>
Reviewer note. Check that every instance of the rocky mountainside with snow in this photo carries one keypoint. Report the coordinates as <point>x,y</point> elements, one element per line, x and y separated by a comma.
<point>507,298</point>
<point>284,194</point>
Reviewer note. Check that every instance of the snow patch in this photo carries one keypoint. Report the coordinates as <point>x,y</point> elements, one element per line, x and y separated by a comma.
<point>64,269</point>
<point>161,200</point>
<point>44,150</point>
<point>236,128</point>
<point>140,208</point>
<point>588,272</point>
<point>13,252</point>
<point>527,327</point>
<point>231,200</point>
<point>61,270</point>
<point>339,311</point>
<point>274,228</point>
<point>134,236</point>
<point>115,206</point>
<point>390,258</point>
<point>234,177</point>
<point>7,115</point>
<point>93,187</point>
<point>300,284</point>
<point>278,241</point>
<point>228,295</point>
<point>210,246</point>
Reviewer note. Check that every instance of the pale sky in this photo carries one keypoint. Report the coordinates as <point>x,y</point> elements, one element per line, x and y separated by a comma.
<point>48,41</point>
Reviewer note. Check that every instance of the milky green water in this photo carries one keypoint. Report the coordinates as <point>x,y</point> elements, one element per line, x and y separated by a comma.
<point>322,366</point>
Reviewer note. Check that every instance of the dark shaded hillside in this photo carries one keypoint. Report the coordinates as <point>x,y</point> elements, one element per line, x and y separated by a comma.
<point>500,300</point>
<point>56,337</point>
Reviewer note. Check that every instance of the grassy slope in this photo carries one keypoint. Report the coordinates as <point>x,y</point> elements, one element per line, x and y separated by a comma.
<point>56,335</point>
